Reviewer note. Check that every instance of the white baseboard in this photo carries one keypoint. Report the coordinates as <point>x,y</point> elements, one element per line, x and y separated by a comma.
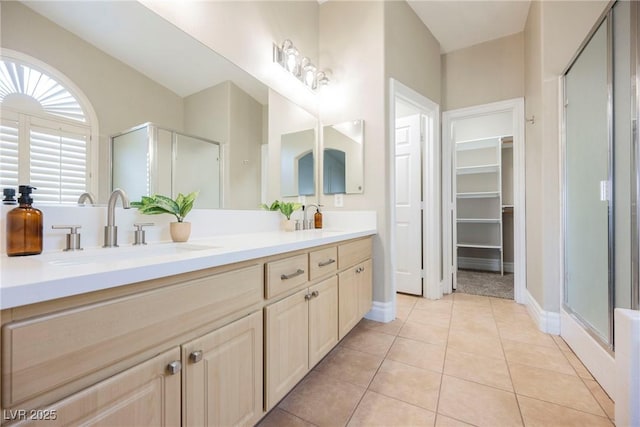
<point>547,321</point>
<point>483,264</point>
<point>382,312</point>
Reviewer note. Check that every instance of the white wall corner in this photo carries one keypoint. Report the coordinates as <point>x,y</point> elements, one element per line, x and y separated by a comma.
<point>382,312</point>
<point>547,321</point>
<point>627,360</point>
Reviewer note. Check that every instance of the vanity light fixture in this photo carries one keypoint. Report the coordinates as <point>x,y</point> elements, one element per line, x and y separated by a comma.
<point>289,58</point>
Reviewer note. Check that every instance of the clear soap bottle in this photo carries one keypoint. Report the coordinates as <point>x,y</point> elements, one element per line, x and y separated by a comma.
<point>24,226</point>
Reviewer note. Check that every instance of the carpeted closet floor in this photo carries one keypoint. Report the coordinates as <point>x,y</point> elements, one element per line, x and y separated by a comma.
<point>485,283</point>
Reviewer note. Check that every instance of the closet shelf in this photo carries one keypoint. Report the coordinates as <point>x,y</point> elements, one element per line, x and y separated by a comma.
<point>480,246</point>
<point>480,220</point>
<point>467,170</point>
<point>478,195</point>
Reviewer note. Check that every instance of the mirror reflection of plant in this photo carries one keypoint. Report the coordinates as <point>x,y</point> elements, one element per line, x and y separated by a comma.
<point>286,208</point>
<point>159,204</point>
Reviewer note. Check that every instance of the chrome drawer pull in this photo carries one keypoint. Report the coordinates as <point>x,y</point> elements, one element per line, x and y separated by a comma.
<point>292,275</point>
<point>325,263</point>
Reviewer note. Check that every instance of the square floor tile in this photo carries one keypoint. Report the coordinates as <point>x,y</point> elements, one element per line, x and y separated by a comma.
<point>444,421</point>
<point>417,353</point>
<point>322,400</point>
<point>478,404</point>
<point>279,418</point>
<point>391,328</point>
<point>537,355</point>
<point>484,370</point>
<point>553,387</point>
<point>580,369</point>
<point>432,334</point>
<point>528,333</point>
<point>407,383</point>
<point>487,345</point>
<point>602,397</point>
<point>350,365</point>
<point>425,317</point>
<point>543,414</point>
<point>439,306</point>
<point>368,341</point>
<point>378,410</point>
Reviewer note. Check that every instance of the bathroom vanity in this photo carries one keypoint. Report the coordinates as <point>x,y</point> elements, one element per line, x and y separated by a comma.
<point>219,341</point>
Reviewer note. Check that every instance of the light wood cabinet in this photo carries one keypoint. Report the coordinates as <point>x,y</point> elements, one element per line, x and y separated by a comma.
<point>301,329</point>
<point>223,375</point>
<point>147,394</point>
<point>354,296</point>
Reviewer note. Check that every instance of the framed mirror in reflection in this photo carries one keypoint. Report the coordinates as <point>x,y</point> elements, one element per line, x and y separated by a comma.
<point>297,163</point>
<point>133,67</point>
<point>343,158</point>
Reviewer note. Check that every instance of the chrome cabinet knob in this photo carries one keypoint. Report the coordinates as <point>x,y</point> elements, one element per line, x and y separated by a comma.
<point>174,367</point>
<point>195,356</point>
<point>315,294</point>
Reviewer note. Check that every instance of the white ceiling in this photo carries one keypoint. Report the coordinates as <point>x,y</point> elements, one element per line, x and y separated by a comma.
<point>459,24</point>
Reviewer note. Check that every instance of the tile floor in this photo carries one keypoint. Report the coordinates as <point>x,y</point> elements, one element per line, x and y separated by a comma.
<point>462,360</point>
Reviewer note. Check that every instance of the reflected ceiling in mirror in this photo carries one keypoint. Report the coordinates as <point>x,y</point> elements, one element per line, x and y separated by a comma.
<point>134,67</point>
<point>343,158</point>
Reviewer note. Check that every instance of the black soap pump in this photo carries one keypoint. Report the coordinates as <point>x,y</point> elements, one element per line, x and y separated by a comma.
<point>24,226</point>
<point>9,196</point>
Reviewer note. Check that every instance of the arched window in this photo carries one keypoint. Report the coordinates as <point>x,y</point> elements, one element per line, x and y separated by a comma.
<point>46,131</point>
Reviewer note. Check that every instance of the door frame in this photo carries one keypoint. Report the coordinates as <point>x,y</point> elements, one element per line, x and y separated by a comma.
<point>430,163</point>
<point>515,107</point>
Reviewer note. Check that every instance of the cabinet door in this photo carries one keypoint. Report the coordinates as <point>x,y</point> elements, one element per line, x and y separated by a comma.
<point>287,347</point>
<point>323,319</point>
<point>365,287</point>
<point>348,309</point>
<point>223,375</point>
<point>146,395</point>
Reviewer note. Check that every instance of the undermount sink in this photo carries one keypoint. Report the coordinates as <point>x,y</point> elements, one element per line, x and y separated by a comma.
<point>122,254</point>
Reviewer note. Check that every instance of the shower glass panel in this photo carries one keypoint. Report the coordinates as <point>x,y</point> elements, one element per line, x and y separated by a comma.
<point>196,167</point>
<point>587,187</point>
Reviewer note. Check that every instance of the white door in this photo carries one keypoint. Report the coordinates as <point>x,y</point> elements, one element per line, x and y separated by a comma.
<point>408,225</point>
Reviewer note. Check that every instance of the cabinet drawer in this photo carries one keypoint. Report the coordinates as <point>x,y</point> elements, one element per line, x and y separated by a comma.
<point>75,348</point>
<point>323,262</point>
<point>286,274</point>
<point>353,252</point>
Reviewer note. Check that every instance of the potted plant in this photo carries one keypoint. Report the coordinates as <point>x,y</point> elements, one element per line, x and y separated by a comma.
<point>180,207</point>
<point>287,209</point>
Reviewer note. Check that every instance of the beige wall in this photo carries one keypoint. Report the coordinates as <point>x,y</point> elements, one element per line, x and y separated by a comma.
<point>412,53</point>
<point>120,96</point>
<point>228,115</point>
<point>554,32</point>
<point>484,73</point>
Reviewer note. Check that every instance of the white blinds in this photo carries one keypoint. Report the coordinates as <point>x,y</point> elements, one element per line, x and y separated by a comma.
<point>50,156</point>
<point>8,154</point>
<point>58,166</point>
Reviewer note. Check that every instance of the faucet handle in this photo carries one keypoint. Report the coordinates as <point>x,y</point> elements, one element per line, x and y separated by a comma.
<point>73,237</point>
<point>139,233</point>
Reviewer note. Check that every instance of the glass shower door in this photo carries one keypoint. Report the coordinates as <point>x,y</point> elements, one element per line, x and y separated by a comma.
<point>588,201</point>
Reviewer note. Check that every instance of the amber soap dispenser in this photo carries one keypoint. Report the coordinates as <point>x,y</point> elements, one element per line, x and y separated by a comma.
<point>24,226</point>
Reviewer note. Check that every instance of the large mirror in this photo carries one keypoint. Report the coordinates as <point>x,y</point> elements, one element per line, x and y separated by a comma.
<point>133,67</point>
<point>343,161</point>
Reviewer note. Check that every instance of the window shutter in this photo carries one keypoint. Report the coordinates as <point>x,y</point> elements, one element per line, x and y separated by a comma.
<point>58,164</point>
<point>9,154</point>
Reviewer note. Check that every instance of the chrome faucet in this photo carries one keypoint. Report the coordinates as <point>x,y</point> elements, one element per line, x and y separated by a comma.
<point>110,230</point>
<point>84,197</point>
<point>308,224</point>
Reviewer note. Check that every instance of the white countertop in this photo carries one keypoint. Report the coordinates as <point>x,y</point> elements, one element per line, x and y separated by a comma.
<point>37,278</point>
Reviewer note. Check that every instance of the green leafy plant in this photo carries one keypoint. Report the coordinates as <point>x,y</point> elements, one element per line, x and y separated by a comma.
<point>288,208</point>
<point>275,206</point>
<point>158,204</point>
